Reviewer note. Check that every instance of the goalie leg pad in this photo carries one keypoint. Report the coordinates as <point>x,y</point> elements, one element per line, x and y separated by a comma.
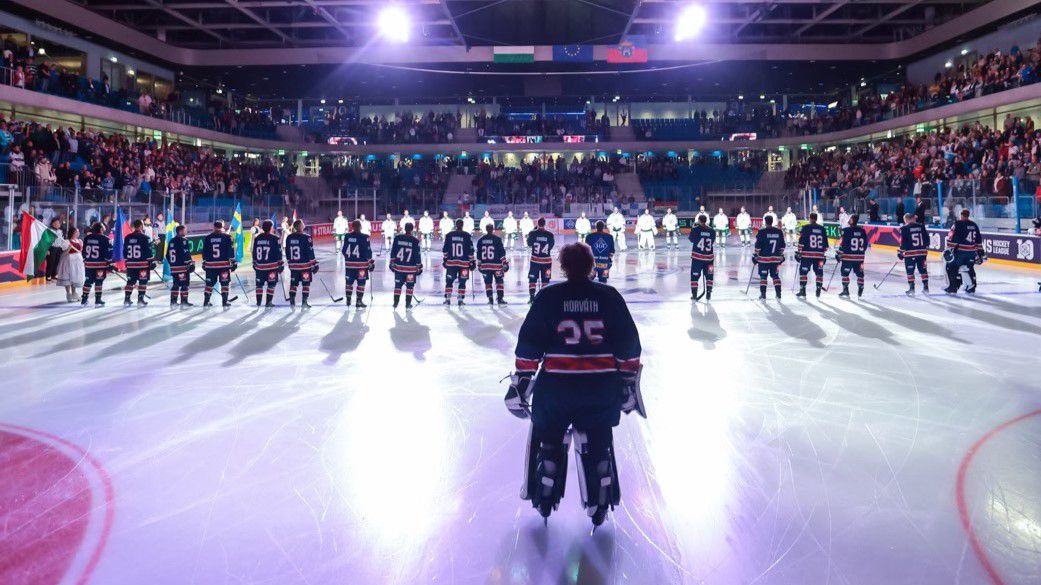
<point>546,469</point>
<point>597,471</point>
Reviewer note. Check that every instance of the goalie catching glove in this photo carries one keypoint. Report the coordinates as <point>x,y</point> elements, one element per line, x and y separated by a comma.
<point>518,396</point>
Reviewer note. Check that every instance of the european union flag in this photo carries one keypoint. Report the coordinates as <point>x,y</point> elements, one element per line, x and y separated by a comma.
<point>573,53</point>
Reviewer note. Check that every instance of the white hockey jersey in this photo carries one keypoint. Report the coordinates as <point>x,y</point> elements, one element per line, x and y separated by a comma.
<point>744,221</point>
<point>670,222</point>
<point>720,222</point>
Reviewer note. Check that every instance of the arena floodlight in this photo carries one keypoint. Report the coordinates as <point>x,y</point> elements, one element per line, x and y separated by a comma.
<point>690,22</point>
<point>394,24</point>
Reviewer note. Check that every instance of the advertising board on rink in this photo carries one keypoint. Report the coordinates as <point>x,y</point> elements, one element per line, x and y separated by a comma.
<point>1022,248</point>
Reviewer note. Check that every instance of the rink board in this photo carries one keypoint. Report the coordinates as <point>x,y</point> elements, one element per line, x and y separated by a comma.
<point>1018,249</point>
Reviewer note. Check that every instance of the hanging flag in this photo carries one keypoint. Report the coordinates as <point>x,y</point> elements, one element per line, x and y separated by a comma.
<point>171,229</point>
<point>573,53</point>
<point>119,231</point>
<point>632,49</point>
<point>236,228</point>
<point>36,240</point>
<point>514,54</point>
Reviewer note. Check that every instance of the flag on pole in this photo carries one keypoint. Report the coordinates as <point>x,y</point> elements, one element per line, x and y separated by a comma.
<point>171,228</point>
<point>119,231</point>
<point>36,240</point>
<point>236,228</point>
<point>573,53</point>
<point>514,54</point>
<point>632,49</point>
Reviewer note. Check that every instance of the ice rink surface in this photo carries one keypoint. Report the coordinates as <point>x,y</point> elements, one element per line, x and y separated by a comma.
<point>887,440</point>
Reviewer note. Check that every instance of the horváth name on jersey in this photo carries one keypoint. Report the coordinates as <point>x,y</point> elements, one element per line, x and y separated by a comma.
<point>582,306</point>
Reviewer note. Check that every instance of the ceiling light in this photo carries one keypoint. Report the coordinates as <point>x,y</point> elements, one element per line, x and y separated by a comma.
<point>948,64</point>
<point>740,97</point>
<point>322,101</point>
<point>690,22</point>
<point>963,51</point>
<point>394,24</point>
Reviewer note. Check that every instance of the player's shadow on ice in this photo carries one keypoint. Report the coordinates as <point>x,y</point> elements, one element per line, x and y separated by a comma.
<point>1007,307</point>
<point>266,339</point>
<point>854,323</point>
<point>482,333</point>
<point>164,331</point>
<point>957,306</point>
<point>218,337</point>
<point>345,336</point>
<point>27,333</point>
<point>410,336</point>
<point>135,324</point>
<point>562,557</point>
<point>910,321</point>
<point>795,325</point>
<point>705,326</point>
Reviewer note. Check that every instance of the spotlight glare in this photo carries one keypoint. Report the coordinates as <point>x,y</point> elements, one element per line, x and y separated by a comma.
<point>690,22</point>
<point>394,24</point>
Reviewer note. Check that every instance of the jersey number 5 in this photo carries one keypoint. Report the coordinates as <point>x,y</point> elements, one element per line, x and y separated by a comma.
<point>573,331</point>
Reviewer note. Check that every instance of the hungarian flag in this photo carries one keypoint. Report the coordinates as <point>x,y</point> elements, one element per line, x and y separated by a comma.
<point>36,240</point>
<point>632,49</point>
<point>514,54</point>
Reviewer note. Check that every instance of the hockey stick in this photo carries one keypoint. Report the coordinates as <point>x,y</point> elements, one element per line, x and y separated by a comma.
<point>891,268</point>
<point>242,285</point>
<point>326,287</point>
<point>156,272</point>
<point>751,275</point>
<point>833,272</point>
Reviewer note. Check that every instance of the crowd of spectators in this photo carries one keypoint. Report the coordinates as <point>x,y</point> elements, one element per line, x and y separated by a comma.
<point>41,156</point>
<point>22,66</point>
<point>404,128</point>
<point>408,184</point>
<point>547,180</point>
<point>557,125</point>
<point>972,159</point>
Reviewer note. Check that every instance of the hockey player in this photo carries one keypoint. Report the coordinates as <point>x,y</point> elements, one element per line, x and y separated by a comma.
<point>616,225</point>
<point>526,227</point>
<point>914,251</point>
<point>721,225</point>
<point>267,263</point>
<point>964,248</point>
<point>389,228</point>
<point>97,262</point>
<point>492,263</point>
<point>468,223</point>
<point>813,244</point>
<point>486,220</point>
<point>366,226</point>
<point>645,229</point>
<point>426,230</point>
<point>852,247</point>
<point>790,226</point>
<point>302,263</point>
<point>509,230</point>
<point>770,213</point>
<point>580,337</point>
<point>769,255</point>
<point>137,250</point>
<point>458,261</point>
<point>670,223</point>
<point>540,268</point>
<point>702,257</point>
<point>179,257</point>
<point>406,264</point>
<point>406,219</point>
<point>602,245</point>
<point>358,262</point>
<point>843,218</point>
<point>582,227</point>
<point>340,227</point>
<point>218,262</point>
<point>444,225</point>
<point>744,227</point>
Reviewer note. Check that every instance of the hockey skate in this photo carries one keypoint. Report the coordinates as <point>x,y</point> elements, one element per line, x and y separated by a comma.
<point>910,291</point>
<point>802,293</point>
<point>845,293</point>
<point>448,302</point>
<point>460,302</point>
<point>708,295</point>
<point>99,303</point>
<point>83,300</point>
<point>304,304</point>
<point>186,303</point>
<point>360,304</point>
<point>127,302</point>
<point>860,291</point>
<point>501,301</point>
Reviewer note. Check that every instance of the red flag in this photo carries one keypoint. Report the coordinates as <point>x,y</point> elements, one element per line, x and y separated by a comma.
<point>632,49</point>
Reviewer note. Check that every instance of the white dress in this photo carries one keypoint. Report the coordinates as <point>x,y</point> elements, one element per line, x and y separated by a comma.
<point>70,267</point>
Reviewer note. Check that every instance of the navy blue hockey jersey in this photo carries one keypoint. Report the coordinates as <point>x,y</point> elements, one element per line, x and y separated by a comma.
<point>769,245</point>
<point>602,245</point>
<point>965,236</point>
<point>578,327</point>
<point>702,240</point>
<point>179,255</point>
<point>217,251</point>
<point>97,251</point>
<point>300,252</point>
<point>491,254</point>
<point>267,252</point>
<point>914,240</point>
<point>854,244</point>
<point>813,241</point>
<point>357,253</point>
<point>458,249</point>
<point>541,243</point>
<point>404,254</point>
<point>137,251</point>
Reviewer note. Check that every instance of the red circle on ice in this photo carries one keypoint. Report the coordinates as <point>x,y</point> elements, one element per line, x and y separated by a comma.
<point>55,509</point>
